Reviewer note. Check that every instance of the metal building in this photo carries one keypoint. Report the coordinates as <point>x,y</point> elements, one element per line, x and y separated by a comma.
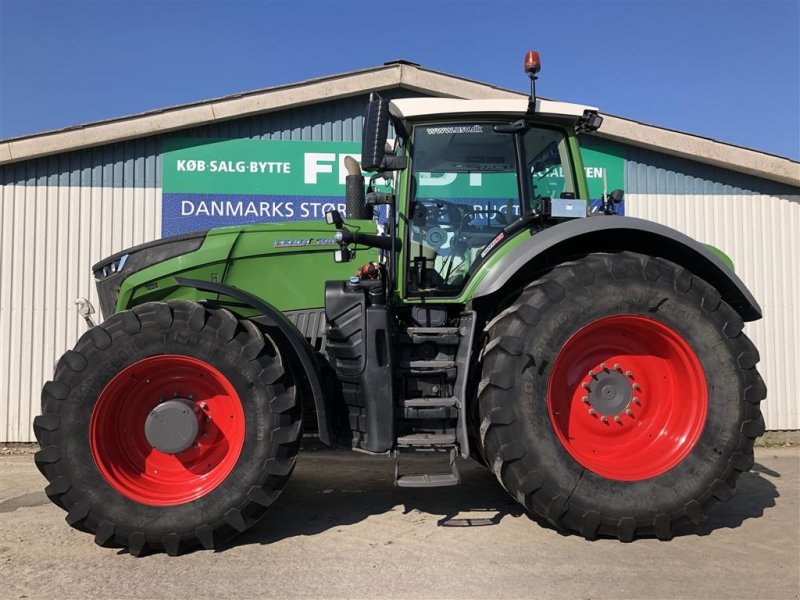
<point>72,197</point>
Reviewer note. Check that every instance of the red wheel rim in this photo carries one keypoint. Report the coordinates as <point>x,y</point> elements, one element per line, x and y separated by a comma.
<point>627,397</point>
<point>144,474</point>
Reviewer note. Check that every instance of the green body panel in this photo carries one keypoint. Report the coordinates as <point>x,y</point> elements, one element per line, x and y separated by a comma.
<point>722,256</point>
<point>256,259</point>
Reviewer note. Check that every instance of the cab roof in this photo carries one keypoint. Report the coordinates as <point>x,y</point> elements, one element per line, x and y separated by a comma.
<point>412,108</point>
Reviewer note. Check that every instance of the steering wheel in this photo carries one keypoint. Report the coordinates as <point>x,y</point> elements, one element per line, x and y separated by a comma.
<point>433,221</point>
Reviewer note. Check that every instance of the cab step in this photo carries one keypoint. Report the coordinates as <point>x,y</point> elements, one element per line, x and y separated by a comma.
<point>418,481</point>
<point>428,402</point>
<point>429,408</point>
<point>413,365</point>
<point>426,439</point>
<point>432,330</point>
<point>427,413</point>
<point>447,336</point>
<point>424,480</point>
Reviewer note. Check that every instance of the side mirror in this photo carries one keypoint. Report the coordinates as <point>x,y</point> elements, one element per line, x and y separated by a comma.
<point>376,130</point>
<point>617,196</point>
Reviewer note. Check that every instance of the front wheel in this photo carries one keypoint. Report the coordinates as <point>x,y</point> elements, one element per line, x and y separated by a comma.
<point>168,426</point>
<point>619,397</point>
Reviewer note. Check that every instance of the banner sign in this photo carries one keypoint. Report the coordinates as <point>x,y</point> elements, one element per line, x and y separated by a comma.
<point>216,183</point>
<point>211,183</point>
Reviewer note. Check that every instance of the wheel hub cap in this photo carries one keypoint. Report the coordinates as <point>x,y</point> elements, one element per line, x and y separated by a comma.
<point>172,426</point>
<point>610,392</point>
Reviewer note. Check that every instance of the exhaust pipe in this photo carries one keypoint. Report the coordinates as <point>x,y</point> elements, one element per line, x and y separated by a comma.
<point>355,201</point>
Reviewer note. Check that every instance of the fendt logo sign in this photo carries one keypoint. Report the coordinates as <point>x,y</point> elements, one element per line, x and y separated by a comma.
<point>218,183</point>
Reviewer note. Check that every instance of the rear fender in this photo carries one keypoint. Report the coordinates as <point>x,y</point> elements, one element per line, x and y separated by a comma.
<point>614,234</point>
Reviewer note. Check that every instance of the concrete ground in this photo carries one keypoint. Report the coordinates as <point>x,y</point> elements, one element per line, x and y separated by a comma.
<point>341,530</point>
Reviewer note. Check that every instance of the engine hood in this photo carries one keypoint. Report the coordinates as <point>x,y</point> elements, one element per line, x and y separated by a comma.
<point>285,263</point>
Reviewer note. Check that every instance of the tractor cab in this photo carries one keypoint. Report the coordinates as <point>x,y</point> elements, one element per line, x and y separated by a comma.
<point>470,175</point>
<point>476,176</point>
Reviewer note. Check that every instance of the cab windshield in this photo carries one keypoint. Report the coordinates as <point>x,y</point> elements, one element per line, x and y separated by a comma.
<point>465,190</point>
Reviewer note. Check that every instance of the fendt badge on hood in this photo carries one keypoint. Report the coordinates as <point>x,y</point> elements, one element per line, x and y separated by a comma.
<point>305,242</point>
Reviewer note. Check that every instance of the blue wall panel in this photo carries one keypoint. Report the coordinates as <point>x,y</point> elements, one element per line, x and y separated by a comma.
<point>650,172</point>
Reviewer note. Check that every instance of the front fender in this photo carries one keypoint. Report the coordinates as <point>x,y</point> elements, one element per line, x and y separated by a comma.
<point>303,353</point>
<point>614,234</point>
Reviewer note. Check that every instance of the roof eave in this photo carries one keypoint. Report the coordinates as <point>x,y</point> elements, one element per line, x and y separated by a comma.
<point>701,149</point>
<point>197,114</point>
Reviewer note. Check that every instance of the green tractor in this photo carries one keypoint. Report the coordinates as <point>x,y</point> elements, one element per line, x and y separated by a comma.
<point>595,363</point>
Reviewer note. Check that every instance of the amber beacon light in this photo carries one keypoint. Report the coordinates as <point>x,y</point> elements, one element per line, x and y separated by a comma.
<point>533,64</point>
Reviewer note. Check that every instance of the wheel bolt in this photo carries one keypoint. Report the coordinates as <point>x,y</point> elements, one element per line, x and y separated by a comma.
<point>604,366</point>
<point>604,419</point>
<point>592,411</point>
<point>618,419</point>
<point>617,367</point>
<point>629,374</point>
<point>585,399</point>
<point>203,405</point>
<point>591,373</point>
<point>636,386</point>
<point>636,400</point>
<point>585,386</point>
<point>629,412</point>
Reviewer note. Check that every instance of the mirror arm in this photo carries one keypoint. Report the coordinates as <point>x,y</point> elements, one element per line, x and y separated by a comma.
<point>393,163</point>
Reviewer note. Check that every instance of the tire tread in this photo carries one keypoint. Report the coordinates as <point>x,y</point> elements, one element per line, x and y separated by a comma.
<point>226,328</point>
<point>530,308</point>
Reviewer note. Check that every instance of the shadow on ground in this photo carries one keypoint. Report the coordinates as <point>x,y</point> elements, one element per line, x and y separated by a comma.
<point>334,489</point>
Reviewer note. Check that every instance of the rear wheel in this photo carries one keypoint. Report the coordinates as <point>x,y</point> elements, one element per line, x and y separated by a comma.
<point>619,397</point>
<point>167,427</point>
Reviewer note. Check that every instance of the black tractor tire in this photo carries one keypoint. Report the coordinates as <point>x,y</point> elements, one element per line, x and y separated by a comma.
<point>255,451</point>
<point>520,429</point>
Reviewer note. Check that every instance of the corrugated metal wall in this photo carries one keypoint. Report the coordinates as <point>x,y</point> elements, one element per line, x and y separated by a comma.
<point>60,214</point>
<point>58,217</point>
<point>757,223</point>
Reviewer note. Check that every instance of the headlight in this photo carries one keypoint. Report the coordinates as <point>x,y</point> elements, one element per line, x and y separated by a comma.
<point>110,272</point>
<point>110,268</point>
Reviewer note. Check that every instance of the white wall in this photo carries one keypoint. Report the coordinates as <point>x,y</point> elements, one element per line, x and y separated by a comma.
<point>49,238</point>
<point>762,235</point>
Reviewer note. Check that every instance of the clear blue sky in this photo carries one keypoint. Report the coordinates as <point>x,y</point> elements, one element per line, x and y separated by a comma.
<point>729,70</point>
